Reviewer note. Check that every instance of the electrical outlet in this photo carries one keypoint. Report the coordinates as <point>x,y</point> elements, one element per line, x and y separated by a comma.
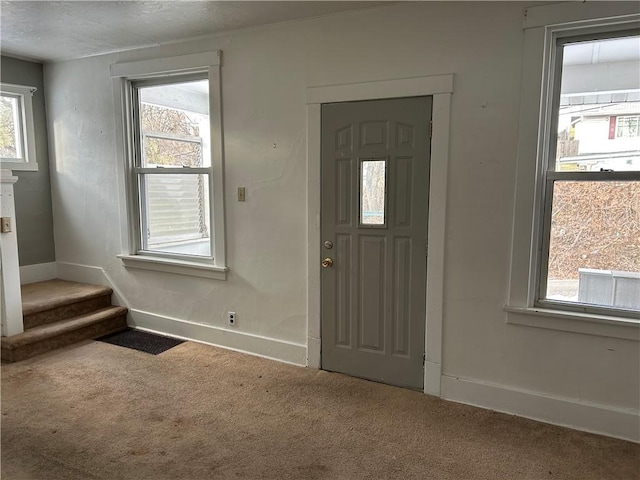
<point>231,317</point>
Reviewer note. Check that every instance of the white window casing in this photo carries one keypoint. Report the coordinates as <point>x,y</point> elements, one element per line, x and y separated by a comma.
<point>134,255</point>
<point>543,26</point>
<point>25,159</point>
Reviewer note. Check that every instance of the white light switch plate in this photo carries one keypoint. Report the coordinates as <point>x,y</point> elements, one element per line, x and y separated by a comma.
<point>6,224</point>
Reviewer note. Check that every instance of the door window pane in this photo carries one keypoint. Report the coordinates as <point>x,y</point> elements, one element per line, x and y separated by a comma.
<point>177,213</point>
<point>599,106</point>
<point>373,187</point>
<point>594,249</point>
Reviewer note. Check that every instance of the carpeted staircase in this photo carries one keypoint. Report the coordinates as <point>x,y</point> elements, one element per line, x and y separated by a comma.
<point>58,313</point>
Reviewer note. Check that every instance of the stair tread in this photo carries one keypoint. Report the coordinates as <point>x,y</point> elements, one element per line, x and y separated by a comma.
<point>49,330</point>
<point>41,296</point>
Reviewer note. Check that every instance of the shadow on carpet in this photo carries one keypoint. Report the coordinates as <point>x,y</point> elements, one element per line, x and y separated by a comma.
<point>142,341</point>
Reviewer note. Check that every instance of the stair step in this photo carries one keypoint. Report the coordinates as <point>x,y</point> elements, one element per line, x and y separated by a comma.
<point>51,336</point>
<point>55,300</point>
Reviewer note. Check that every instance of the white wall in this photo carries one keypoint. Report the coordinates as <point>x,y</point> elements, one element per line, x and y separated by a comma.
<point>265,72</point>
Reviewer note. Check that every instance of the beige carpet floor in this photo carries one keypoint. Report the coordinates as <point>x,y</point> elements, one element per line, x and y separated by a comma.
<point>98,411</point>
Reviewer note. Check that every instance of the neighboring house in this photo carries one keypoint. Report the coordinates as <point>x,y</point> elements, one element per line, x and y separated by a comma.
<point>600,106</point>
<point>603,137</point>
<point>491,335</point>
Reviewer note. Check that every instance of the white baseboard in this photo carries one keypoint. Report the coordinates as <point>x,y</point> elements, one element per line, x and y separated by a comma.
<point>75,272</point>
<point>588,417</point>
<point>242,342</point>
<point>38,273</point>
<point>595,418</point>
<point>266,347</point>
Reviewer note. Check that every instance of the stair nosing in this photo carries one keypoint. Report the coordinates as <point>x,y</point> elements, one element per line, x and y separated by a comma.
<point>28,310</point>
<point>42,332</point>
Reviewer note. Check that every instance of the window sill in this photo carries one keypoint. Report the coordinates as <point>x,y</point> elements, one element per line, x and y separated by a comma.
<point>19,166</point>
<point>588,324</point>
<point>178,267</point>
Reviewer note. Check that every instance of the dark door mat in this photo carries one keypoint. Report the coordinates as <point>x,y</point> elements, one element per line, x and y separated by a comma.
<point>143,341</point>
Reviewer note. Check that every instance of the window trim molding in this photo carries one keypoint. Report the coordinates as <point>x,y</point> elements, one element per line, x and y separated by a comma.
<point>121,74</point>
<point>568,321</point>
<point>173,265</point>
<point>29,161</point>
<point>166,65</point>
<point>573,13</point>
<point>542,26</point>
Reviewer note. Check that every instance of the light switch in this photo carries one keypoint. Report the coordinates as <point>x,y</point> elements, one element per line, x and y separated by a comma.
<point>6,224</point>
<point>241,194</point>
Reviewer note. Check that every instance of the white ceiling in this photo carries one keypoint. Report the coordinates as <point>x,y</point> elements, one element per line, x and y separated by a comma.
<point>53,31</point>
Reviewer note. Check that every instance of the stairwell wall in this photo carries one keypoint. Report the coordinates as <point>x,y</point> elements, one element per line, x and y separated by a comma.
<point>34,217</point>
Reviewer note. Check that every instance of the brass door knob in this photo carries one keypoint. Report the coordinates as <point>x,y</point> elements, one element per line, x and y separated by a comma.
<point>327,262</point>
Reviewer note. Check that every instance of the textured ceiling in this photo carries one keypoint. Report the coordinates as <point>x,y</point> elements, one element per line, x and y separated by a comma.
<point>52,31</point>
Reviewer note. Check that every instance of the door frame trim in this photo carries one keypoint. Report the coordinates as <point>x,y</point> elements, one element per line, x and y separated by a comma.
<point>440,87</point>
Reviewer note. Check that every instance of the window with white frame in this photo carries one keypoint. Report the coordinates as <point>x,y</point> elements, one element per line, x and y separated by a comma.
<point>17,142</point>
<point>590,189</point>
<point>628,127</point>
<point>172,165</point>
<point>171,119</point>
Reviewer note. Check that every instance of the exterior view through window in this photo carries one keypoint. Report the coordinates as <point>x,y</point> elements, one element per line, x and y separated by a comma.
<point>592,206</point>
<point>372,192</point>
<point>17,143</point>
<point>173,166</point>
<point>10,126</point>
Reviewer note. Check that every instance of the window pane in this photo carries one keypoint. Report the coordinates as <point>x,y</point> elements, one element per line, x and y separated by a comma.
<point>627,127</point>
<point>372,192</point>
<point>174,123</point>
<point>599,106</point>
<point>165,152</point>
<point>177,213</point>
<point>9,127</point>
<point>594,251</point>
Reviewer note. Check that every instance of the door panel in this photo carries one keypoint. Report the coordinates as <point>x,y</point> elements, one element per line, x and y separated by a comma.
<point>375,182</point>
<point>343,191</point>
<point>371,307</point>
<point>401,288</point>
